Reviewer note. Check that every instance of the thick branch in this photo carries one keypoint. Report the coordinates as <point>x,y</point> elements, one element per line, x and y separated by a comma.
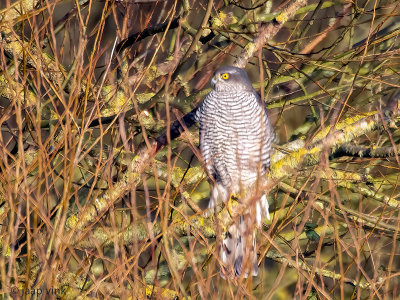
<point>268,32</point>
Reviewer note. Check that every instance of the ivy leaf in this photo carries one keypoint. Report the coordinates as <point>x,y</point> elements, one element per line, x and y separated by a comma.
<point>310,226</point>
<point>312,235</point>
<point>312,296</point>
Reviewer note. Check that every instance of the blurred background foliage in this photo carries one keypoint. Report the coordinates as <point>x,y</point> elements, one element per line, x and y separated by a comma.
<point>96,202</point>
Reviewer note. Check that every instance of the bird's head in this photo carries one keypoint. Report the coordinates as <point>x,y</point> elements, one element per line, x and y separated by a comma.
<point>229,78</point>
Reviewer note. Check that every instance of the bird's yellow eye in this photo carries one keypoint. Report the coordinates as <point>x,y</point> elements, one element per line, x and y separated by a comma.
<point>225,76</point>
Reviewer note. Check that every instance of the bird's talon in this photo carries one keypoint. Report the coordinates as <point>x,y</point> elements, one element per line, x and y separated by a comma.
<point>229,206</point>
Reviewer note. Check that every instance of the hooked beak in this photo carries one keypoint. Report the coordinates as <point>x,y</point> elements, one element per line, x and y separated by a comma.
<point>213,81</point>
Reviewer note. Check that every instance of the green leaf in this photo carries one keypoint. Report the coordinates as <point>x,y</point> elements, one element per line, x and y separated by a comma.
<point>310,226</point>
<point>312,235</point>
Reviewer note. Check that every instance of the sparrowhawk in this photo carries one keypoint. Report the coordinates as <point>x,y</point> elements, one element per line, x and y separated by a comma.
<point>235,143</point>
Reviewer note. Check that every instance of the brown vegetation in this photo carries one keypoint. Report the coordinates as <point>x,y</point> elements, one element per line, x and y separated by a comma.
<point>98,200</point>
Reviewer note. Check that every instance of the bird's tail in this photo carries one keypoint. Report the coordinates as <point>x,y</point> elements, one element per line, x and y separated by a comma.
<point>238,251</point>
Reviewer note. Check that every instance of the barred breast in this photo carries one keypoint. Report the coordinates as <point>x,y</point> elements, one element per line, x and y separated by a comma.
<point>235,137</point>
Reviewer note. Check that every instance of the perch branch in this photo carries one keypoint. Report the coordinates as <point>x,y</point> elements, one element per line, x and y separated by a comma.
<point>344,132</point>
